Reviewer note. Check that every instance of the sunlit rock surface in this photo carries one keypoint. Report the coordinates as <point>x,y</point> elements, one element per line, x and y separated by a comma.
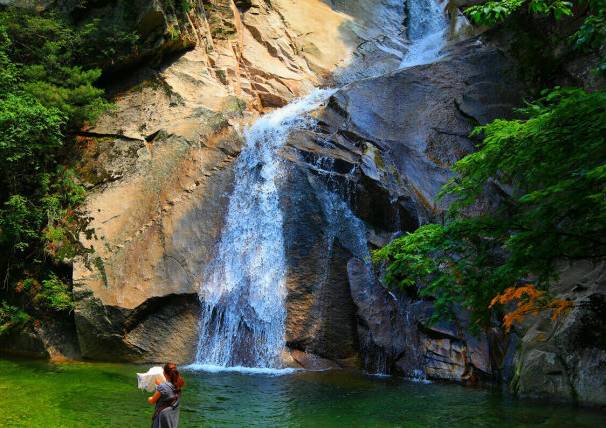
<point>159,167</point>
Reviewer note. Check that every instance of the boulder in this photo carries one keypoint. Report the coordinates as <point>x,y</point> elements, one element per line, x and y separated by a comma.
<point>161,329</point>
<point>49,336</point>
<point>565,360</point>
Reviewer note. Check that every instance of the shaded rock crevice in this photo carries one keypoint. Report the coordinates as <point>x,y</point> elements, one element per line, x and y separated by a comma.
<point>139,334</point>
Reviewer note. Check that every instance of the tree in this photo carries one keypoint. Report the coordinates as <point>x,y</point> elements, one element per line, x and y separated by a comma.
<point>45,96</point>
<point>495,11</point>
<point>555,160</point>
<point>590,36</point>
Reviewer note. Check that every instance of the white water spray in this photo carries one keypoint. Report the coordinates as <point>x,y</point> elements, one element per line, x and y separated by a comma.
<point>243,289</point>
<point>427,32</point>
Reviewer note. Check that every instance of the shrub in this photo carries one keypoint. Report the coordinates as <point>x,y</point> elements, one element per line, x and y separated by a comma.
<point>54,295</point>
<point>11,317</point>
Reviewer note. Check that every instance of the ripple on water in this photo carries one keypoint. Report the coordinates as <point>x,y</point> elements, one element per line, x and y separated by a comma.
<point>210,368</point>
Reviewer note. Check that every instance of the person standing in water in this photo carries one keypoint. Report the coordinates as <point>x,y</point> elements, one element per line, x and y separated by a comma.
<point>167,398</point>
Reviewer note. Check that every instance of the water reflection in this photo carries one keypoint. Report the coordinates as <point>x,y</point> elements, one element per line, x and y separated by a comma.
<point>350,399</point>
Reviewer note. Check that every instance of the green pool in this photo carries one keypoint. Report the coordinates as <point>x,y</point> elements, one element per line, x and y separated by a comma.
<point>39,394</point>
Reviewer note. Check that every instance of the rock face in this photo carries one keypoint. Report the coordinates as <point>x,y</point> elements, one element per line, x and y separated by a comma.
<point>384,147</point>
<point>159,167</point>
<point>566,360</point>
<point>407,128</point>
<point>321,314</point>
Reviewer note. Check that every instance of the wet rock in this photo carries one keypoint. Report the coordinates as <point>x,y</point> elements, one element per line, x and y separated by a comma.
<point>390,141</point>
<point>321,316</point>
<point>382,327</point>
<point>312,362</point>
<point>386,145</point>
<point>420,118</point>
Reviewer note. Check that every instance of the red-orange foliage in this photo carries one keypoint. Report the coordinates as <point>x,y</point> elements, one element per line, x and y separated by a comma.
<point>530,301</point>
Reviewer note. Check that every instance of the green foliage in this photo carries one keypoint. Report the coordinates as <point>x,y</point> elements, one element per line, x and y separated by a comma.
<point>47,92</point>
<point>11,317</point>
<point>8,70</point>
<point>62,47</point>
<point>452,264</point>
<point>19,224</point>
<point>50,294</point>
<point>43,50</point>
<point>45,97</point>
<point>555,160</point>
<point>495,11</point>
<point>183,6</point>
<point>29,133</point>
<point>54,295</point>
<point>591,35</point>
<point>105,43</point>
<point>173,32</point>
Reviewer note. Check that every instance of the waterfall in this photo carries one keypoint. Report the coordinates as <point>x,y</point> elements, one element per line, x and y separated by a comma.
<point>243,288</point>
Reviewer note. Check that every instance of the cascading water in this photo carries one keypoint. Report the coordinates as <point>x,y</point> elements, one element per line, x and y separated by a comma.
<point>427,26</point>
<point>243,288</point>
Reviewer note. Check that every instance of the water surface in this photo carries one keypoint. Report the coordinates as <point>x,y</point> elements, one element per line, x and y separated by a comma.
<point>39,394</point>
